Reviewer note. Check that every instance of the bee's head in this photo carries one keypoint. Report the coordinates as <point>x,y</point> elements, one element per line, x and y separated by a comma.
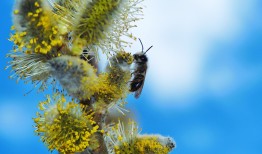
<point>140,58</point>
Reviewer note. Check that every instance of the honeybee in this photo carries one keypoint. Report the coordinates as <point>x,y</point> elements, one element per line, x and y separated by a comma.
<point>139,74</point>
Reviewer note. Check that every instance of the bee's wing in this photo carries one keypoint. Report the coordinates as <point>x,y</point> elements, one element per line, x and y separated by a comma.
<point>138,91</point>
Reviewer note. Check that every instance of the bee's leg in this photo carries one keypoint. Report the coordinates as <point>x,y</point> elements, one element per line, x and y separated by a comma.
<point>139,77</point>
<point>135,72</point>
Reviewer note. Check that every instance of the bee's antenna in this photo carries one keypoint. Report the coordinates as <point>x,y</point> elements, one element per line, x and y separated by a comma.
<point>141,44</point>
<point>148,49</point>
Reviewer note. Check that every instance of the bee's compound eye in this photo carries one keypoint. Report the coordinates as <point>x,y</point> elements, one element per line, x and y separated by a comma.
<point>143,58</point>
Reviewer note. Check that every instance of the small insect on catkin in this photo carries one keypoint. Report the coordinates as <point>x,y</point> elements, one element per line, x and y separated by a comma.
<point>139,74</point>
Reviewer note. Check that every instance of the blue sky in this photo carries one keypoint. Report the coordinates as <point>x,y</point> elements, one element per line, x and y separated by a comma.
<point>203,86</point>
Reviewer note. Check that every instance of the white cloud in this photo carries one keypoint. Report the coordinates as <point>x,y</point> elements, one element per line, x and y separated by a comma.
<point>176,70</point>
<point>182,32</point>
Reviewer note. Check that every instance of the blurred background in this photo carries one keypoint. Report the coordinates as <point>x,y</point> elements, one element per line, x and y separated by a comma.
<point>203,86</point>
